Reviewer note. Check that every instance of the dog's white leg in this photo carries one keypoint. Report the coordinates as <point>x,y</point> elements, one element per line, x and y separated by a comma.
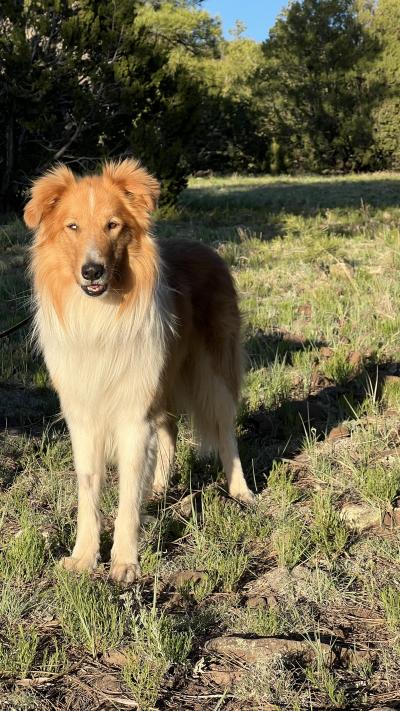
<point>166,443</point>
<point>88,450</point>
<point>134,454</point>
<point>228,452</point>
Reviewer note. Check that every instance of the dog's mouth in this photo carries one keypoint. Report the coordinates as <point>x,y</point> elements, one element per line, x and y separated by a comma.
<point>94,289</point>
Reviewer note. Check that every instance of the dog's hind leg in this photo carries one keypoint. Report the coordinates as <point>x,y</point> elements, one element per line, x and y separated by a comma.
<point>229,455</point>
<point>214,415</point>
<point>223,407</point>
<point>166,443</point>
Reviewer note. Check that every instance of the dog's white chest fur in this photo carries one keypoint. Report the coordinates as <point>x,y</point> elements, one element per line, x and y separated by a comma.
<point>103,364</point>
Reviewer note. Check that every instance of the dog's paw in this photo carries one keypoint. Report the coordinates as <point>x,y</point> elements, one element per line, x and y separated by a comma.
<point>245,496</point>
<point>79,564</point>
<point>125,572</point>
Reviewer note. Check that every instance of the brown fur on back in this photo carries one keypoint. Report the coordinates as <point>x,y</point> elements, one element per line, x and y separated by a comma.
<point>205,304</point>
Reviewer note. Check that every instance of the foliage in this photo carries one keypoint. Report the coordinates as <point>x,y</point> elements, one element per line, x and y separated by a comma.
<point>384,25</point>
<point>92,79</point>
<point>318,102</point>
<point>86,80</point>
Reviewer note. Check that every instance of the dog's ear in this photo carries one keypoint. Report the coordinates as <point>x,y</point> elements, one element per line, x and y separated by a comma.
<point>135,182</point>
<point>45,193</point>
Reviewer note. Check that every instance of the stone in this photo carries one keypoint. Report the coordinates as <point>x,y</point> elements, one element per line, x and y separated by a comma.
<point>338,432</point>
<point>256,602</point>
<point>360,516</point>
<point>264,649</point>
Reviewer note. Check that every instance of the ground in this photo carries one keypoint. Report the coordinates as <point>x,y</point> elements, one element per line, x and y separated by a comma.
<point>291,604</point>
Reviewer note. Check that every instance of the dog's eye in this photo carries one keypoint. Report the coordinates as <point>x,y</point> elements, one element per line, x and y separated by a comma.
<point>112,225</point>
<point>72,226</point>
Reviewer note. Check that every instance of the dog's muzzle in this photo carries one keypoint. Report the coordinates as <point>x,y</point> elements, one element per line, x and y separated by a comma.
<point>95,278</point>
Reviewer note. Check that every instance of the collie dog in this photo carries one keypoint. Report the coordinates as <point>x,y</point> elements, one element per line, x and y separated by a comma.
<point>134,331</point>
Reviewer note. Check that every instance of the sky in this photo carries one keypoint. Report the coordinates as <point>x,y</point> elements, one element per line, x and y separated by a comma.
<point>258,15</point>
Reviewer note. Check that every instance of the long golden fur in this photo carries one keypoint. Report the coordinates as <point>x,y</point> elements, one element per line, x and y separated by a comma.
<point>134,332</point>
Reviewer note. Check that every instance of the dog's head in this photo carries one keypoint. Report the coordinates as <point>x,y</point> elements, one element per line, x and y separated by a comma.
<point>91,223</point>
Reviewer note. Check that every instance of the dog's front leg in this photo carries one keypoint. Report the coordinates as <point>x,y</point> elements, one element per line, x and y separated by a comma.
<point>88,450</point>
<point>134,455</point>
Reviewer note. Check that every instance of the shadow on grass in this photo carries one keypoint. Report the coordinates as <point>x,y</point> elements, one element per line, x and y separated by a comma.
<point>26,409</point>
<point>306,198</point>
<point>266,435</point>
<point>269,434</point>
<point>264,348</point>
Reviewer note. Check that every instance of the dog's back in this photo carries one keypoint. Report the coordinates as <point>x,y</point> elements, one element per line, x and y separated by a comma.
<point>204,361</point>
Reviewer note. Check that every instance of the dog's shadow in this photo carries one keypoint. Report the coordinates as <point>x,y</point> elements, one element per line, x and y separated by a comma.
<point>266,434</point>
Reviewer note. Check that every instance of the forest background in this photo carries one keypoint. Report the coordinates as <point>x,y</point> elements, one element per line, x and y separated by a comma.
<point>86,79</point>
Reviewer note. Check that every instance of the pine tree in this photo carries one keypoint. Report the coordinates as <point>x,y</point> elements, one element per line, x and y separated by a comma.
<point>317,103</point>
<point>385,24</point>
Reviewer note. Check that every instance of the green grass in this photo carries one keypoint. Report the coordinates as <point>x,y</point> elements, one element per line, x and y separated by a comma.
<point>390,598</point>
<point>328,532</point>
<point>290,542</point>
<point>24,556</point>
<point>88,612</point>
<point>158,645</point>
<point>316,262</point>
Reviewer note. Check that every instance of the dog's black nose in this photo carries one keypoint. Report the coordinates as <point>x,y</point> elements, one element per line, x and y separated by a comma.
<point>92,271</point>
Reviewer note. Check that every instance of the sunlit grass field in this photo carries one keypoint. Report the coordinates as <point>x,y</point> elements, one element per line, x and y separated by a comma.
<point>292,604</point>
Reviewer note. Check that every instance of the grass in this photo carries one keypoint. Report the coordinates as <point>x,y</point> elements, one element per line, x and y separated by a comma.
<point>158,645</point>
<point>88,612</point>
<point>316,261</point>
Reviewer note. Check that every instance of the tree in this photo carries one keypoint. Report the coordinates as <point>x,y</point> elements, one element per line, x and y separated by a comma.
<point>317,102</point>
<point>86,79</point>
<point>384,23</point>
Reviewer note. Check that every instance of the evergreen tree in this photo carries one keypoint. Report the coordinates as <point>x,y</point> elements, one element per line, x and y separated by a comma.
<point>385,24</point>
<point>317,103</point>
<point>88,78</point>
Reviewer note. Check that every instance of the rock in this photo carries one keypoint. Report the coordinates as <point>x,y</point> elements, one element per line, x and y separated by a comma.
<point>356,359</point>
<point>177,580</point>
<point>360,516</point>
<point>115,658</point>
<point>107,684</point>
<point>256,602</point>
<point>276,582</point>
<point>263,649</point>
<point>338,432</point>
<point>272,601</point>
<point>226,679</point>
